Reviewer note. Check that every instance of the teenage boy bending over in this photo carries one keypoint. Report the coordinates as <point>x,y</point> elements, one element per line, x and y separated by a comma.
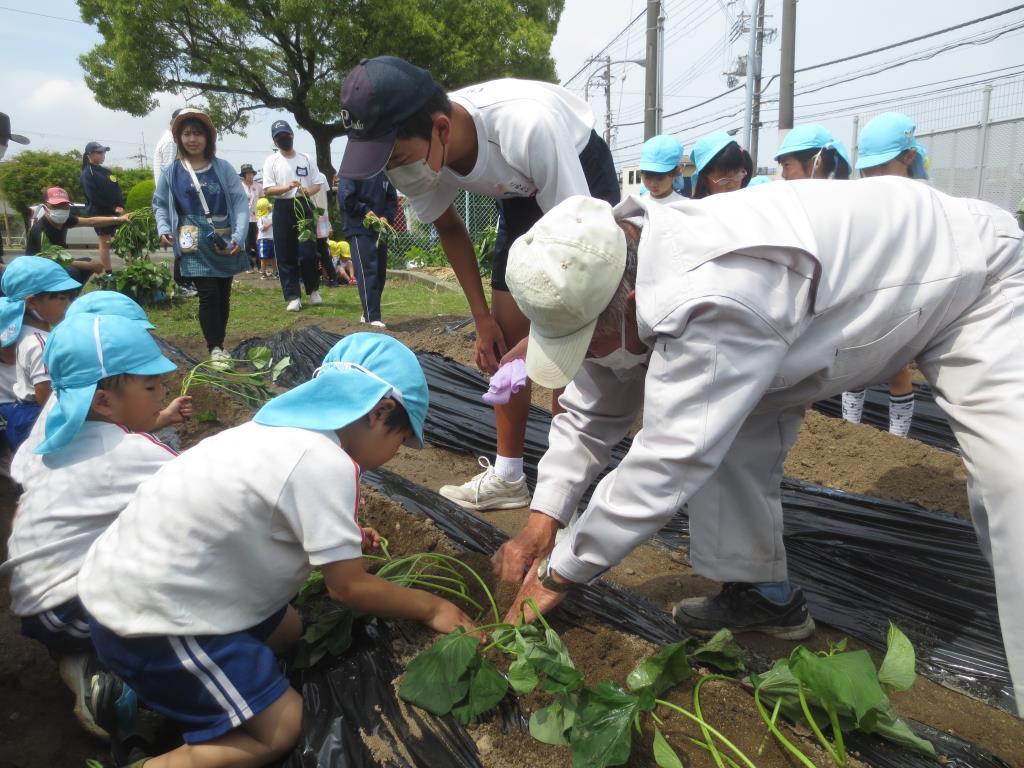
<point>529,145</point>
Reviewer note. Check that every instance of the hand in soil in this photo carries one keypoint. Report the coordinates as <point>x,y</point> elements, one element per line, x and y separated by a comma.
<point>447,618</point>
<point>544,599</point>
<point>517,555</point>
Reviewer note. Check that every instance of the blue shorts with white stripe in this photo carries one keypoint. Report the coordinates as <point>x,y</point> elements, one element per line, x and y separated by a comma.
<point>64,630</point>
<point>208,684</point>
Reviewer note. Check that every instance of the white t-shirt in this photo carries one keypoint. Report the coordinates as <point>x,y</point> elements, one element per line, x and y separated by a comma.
<point>164,154</point>
<point>209,546</point>
<point>671,197</point>
<point>278,169</point>
<point>28,367</point>
<point>7,377</point>
<point>529,138</point>
<point>72,496</point>
<point>268,222</point>
<point>24,456</point>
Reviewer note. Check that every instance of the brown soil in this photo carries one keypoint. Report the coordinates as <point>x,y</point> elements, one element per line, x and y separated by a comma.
<point>37,730</point>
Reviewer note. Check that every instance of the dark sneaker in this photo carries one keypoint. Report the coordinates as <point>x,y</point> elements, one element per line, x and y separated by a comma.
<point>114,704</point>
<point>77,672</point>
<point>739,607</point>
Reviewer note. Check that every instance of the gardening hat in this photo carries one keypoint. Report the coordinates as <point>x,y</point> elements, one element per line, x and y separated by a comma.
<point>563,273</point>
<point>885,137</point>
<point>178,125</point>
<point>376,96</point>
<point>5,130</point>
<point>356,374</point>
<point>95,146</point>
<point>706,147</point>
<point>79,353</point>
<point>57,196</point>
<point>811,136</point>
<point>660,154</point>
<point>28,276</point>
<point>108,303</point>
<point>246,168</point>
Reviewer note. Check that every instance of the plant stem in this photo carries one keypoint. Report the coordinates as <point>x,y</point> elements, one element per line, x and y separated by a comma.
<point>775,715</point>
<point>837,734</point>
<point>715,754</point>
<point>532,605</point>
<point>814,726</point>
<point>794,750</point>
<point>698,743</point>
<point>685,713</point>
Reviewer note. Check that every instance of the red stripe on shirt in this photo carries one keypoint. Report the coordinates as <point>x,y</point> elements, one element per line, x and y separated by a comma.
<point>151,437</point>
<point>42,346</point>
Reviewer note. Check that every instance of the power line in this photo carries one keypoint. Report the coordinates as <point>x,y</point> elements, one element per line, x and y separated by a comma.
<point>624,30</point>
<point>41,15</point>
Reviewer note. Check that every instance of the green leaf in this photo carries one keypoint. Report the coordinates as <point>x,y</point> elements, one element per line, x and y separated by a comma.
<point>522,676</point>
<point>721,652</point>
<point>668,667</point>
<point>890,727</point>
<point>552,724</point>
<point>545,652</point>
<point>846,682</point>
<point>439,678</point>
<point>487,686</point>
<point>601,735</point>
<point>664,755</point>
<point>260,357</point>
<point>206,417</point>
<point>897,670</point>
<point>279,367</point>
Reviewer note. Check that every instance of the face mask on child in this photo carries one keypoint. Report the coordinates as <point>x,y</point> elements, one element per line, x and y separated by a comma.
<point>58,215</point>
<point>621,358</point>
<point>417,178</point>
<point>285,141</point>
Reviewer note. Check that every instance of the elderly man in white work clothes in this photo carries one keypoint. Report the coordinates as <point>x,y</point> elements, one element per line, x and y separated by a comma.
<point>718,321</point>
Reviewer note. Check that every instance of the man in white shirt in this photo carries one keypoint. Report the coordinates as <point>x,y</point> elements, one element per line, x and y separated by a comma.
<point>289,180</point>
<point>529,145</point>
<point>165,151</point>
<point>744,309</point>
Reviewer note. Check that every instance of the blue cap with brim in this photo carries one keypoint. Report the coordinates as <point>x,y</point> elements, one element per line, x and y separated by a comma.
<point>109,303</point>
<point>706,147</point>
<point>758,180</point>
<point>812,136</point>
<point>81,352</point>
<point>885,137</point>
<point>358,372</point>
<point>660,154</point>
<point>28,276</point>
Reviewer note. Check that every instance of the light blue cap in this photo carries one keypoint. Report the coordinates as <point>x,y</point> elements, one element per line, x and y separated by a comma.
<point>758,180</point>
<point>79,353</point>
<point>660,154</point>
<point>356,374</point>
<point>706,147</point>
<point>812,136</point>
<point>109,303</point>
<point>885,137</point>
<point>28,276</point>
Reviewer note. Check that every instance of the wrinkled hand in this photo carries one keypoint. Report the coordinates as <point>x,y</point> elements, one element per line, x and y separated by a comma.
<point>490,344</point>
<point>446,617</point>
<point>166,239</point>
<point>513,559</point>
<point>545,599</point>
<point>179,409</point>
<point>371,539</point>
<point>517,352</point>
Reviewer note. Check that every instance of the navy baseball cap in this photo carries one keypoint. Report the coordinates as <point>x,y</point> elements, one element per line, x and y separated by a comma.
<point>95,146</point>
<point>377,95</point>
<point>5,130</point>
<point>280,126</point>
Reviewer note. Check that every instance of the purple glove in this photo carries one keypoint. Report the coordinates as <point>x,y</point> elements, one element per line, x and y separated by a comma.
<point>506,381</point>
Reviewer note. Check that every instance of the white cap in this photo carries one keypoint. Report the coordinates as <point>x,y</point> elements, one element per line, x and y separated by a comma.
<point>563,273</point>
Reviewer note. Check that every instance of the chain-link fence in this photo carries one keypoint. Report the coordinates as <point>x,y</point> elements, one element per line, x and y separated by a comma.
<point>416,243</point>
<point>974,139</point>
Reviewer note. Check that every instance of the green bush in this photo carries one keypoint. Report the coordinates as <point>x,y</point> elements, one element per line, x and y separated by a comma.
<point>129,178</point>
<point>26,176</point>
<point>143,280</point>
<point>140,196</point>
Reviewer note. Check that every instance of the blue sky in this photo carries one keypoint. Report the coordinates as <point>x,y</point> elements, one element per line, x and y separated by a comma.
<point>45,94</point>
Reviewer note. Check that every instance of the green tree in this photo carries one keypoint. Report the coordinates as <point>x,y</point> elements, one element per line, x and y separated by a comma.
<point>25,178</point>
<point>245,55</point>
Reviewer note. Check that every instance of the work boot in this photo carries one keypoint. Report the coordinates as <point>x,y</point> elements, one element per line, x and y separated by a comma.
<point>740,607</point>
<point>488,491</point>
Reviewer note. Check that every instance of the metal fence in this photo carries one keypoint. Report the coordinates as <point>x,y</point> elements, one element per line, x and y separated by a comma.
<point>479,213</point>
<point>974,139</point>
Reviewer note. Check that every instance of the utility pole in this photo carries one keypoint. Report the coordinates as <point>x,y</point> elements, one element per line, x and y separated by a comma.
<point>751,66</point>
<point>755,117</point>
<point>608,100</point>
<point>652,89</point>
<point>787,76</point>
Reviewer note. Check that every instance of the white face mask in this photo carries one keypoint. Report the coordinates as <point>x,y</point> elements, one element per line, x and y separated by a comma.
<point>621,358</point>
<point>417,178</point>
<point>58,215</point>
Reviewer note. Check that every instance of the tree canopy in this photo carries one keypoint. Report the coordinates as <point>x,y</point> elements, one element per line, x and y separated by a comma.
<point>238,56</point>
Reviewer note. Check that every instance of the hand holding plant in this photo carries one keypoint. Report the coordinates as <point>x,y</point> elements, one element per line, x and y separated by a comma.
<point>179,409</point>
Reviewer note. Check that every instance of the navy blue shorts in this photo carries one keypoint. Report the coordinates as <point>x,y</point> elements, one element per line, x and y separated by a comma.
<point>17,421</point>
<point>265,247</point>
<point>208,684</point>
<point>64,630</point>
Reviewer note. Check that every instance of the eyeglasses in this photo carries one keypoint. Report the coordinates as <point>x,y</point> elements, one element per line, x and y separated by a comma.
<point>734,178</point>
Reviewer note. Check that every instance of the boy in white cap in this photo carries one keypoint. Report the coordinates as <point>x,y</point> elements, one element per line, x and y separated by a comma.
<point>194,626</point>
<point>106,377</point>
<point>742,310</point>
<point>37,293</point>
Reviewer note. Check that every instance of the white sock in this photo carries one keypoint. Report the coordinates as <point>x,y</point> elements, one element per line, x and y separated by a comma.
<point>508,469</point>
<point>901,413</point>
<point>853,406</point>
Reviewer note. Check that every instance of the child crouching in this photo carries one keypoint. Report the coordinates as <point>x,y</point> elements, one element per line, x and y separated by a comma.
<point>106,376</point>
<point>188,590</point>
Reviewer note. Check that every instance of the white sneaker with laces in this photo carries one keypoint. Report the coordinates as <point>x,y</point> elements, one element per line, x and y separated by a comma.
<point>488,491</point>
<point>220,359</point>
<point>294,305</point>
<point>316,298</point>
<point>377,324</point>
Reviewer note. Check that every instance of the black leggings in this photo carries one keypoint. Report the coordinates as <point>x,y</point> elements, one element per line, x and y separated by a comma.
<point>214,305</point>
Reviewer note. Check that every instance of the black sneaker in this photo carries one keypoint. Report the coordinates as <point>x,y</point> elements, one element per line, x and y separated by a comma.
<point>740,607</point>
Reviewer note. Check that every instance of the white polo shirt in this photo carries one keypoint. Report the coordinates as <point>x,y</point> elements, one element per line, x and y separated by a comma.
<point>28,366</point>
<point>70,498</point>
<point>278,169</point>
<point>209,546</point>
<point>529,138</point>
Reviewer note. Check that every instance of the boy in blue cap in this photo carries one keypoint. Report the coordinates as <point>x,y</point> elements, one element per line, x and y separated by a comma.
<point>811,152</point>
<point>194,625</point>
<point>37,293</point>
<point>659,167</point>
<point>887,146</point>
<point>106,377</point>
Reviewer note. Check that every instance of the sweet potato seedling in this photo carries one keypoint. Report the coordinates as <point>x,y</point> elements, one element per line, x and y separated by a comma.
<point>247,379</point>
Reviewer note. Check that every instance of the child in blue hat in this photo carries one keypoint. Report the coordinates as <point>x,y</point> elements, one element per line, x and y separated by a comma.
<point>811,152</point>
<point>659,167</point>
<point>37,292</point>
<point>188,591</point>
<point>106,377</point>
<point>887,146</point>
<point>721,165</point>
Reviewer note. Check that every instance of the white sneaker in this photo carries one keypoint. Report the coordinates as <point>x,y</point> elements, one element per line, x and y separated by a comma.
<point>77,672</point>
<point>488,491</point>
<point>220,360</point>
<point>294,305</point>
<point>377,324</point>
<point>362,318</point>
<point>316,298</point>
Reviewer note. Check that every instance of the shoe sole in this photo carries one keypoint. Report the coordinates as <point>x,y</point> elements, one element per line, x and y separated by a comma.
<point>798,632</point>
<point>86,720</point>
<point>492,507</point>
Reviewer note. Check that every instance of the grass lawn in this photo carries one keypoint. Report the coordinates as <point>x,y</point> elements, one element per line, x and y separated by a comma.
<point>257,307</point>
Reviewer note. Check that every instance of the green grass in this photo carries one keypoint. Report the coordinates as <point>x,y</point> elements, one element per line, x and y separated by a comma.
<point>257,307</point>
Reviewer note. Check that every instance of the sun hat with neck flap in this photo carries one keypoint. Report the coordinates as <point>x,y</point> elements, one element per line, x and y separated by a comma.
<point>28,276</point>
